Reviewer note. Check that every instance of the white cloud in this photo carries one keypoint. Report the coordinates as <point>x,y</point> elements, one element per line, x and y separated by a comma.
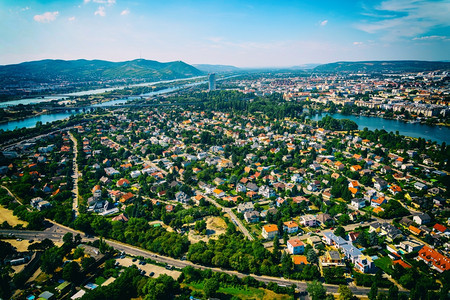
<point>125,12</point>
<point>87,1</point>
<point>406,18</point>
<point>324,22</point>
<point>25,8</point>
<point>107,2</point>
<point>71,19</point>
<point>357,43</point>
<point>100,11</point>
<point>430,38</point>
<point>46,17</point>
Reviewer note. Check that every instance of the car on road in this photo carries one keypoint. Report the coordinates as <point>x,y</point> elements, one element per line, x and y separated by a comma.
<point>31,241</point>
<point>134,259</point>
<point>18,239</point>
<point>151,274</point>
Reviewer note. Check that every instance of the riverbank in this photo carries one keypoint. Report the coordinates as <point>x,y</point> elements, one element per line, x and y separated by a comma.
<point>434,133</point>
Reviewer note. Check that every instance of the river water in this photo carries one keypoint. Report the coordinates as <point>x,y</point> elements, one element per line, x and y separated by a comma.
<point>435,133</point>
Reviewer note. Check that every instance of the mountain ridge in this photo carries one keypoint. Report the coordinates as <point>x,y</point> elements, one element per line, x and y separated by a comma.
<point>388,66</point>
<point>50,70</point>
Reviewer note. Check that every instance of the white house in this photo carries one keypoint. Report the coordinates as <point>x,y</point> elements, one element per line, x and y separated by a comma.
<point>295,246</point>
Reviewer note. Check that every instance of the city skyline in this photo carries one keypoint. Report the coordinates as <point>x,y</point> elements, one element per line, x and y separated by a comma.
<point>250,34</point>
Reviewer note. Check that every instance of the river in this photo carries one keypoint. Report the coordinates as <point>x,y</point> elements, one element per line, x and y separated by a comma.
<point>46,118</point>
<point>84,93</point>
<point>435,133</point>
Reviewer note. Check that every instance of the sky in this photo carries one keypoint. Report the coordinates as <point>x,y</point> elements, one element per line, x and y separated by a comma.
<point>258,33</point>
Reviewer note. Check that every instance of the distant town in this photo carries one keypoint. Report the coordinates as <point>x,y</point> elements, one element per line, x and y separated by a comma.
<point>237,185</point>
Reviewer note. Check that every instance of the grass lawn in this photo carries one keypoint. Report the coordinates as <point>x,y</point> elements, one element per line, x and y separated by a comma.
<point>7,215</point>
<point>242,292</point>
<point>384,263</point>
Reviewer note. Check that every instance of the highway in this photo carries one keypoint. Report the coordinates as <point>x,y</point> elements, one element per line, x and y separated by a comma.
<point>57,231</point>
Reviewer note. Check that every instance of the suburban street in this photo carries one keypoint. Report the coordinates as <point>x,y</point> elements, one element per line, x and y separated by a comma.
<point>75,175</point>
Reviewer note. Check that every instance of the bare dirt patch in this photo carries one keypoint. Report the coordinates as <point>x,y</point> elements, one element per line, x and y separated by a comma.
<point>215,226</point>
<point>148,268</point>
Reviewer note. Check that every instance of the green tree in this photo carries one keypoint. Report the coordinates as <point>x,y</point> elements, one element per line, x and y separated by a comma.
<point>373,293</point>
<point>345,293</point>
<point>311,256</point>
<point>71,272</point>
<point>340,231</point>
<point>51,259</point>
<point>211,286</point>
<point>316,290</point>
<point>393,292</point>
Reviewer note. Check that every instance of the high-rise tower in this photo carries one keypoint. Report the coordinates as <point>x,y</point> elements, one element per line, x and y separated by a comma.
<point>212,81</point>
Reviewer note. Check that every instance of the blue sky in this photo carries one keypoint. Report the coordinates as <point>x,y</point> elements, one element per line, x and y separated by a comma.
<point>242,33</point>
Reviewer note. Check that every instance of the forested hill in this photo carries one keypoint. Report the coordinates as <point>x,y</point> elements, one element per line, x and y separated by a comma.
<point>399,66</point>
<point>50,71</point>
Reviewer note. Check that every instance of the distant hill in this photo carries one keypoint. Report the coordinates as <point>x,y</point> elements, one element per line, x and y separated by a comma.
<point>304,67</point>
<point>383,66</point>
<point>216,68</point>
<point>51,71</point>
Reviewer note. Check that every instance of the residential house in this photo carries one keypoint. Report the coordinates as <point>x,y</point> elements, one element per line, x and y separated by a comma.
<point>97,191</point>
<point>422,219</point>
<point>266,191</point>
<point>297,178</point>
<point>351,252</point>
<point>410,245</point>
<point>378,201</point>
<point>299,261</point>
<point>240,188</point>
<point>420,186</point>
<point>358,203</point>
<point>269,231</point>
<point>290,227</point>
<point>273,211</point>
<point>251,216</point>
<point>181,197</point>
<point>218,193</point>
<point>387,229</point>
<point>434,259</point>
<point>308,220</point>
<point>123,182</point>
<point>333,240</point>
<point>295,246</point>
<point>135,174</point>
<point>332,258</point>
<point>322,219</point>
<point>365,264</point>
<point>245,207</point>
<point>379,184</point>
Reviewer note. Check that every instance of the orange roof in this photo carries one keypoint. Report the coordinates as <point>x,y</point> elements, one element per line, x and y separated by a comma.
<point>299,260</point>
<point>356,167</point>
<point>396,188</point>
<point>353,190</point>
<point>270,228</point>
<point>290,224</point>
<point>377,210</point>
<point>401,263</point>
<point>296,243</point>
<point>414,229</point>
<point>438,260</point>
<point>198,197</point>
